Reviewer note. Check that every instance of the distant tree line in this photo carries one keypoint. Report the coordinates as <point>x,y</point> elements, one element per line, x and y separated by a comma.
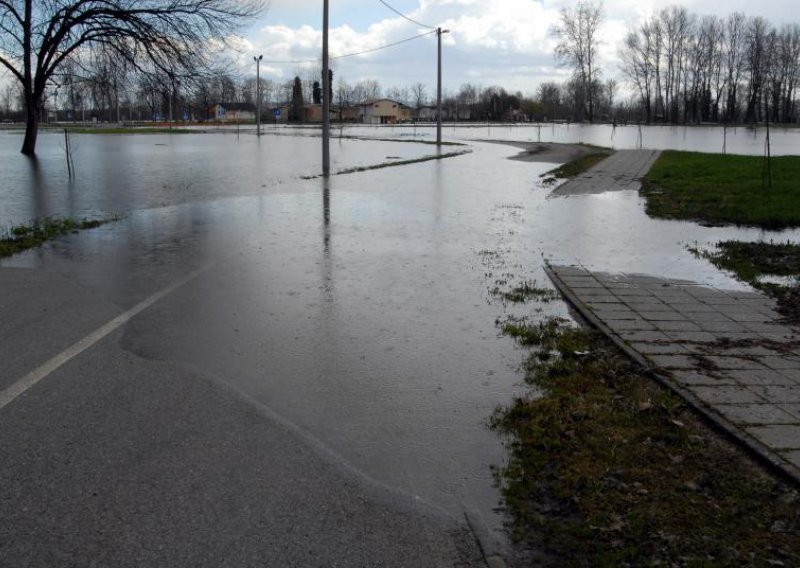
<point>687,68</point>
<point>682,68</point>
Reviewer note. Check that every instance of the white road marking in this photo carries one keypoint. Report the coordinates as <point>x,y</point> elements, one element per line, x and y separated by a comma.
<point>11,393</point>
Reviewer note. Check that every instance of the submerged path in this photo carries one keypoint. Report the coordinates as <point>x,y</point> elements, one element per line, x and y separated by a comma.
<point>726,352</point>
<point>623,170</point>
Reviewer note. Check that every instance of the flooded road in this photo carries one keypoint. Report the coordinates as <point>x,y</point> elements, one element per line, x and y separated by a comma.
<point>355,312</point>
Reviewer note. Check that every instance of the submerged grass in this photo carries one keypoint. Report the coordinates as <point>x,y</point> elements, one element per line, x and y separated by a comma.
<point>528,290</point>
<point>395,163</point>
<point>23,237</point>
<point>724,189</point>
<point>757,262</point>
<point>608,469</point>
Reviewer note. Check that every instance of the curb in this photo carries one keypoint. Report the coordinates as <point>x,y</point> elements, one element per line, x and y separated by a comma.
<point>488,545</point>
<point>762,453</point>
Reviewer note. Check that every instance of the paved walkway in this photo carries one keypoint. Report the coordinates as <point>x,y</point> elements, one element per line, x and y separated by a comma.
<point>726,352</point>
<point>621,171</point>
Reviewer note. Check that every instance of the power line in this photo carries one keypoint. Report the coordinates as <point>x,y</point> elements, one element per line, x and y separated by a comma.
<point>356,53</point>
<point>385,46</point>
<point>406,17</point>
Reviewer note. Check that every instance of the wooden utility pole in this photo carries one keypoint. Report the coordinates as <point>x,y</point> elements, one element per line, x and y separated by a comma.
<point>439,32</point>
<point>258,93</point>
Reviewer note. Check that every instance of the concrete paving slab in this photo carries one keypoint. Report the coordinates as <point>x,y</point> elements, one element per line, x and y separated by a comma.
<point>780,363</point>
<point>722,326</point>
<point>631,325</point>
<point>692,336</point>
<point>793,458</point>
<point>663,316</point>
<point>761,378</point>
<point>677,326</point>
<point>753,414</point>
<point>692,377</point>
<point>614,313</point>
<point>720,394</point>
<point>659,348</point>
<point>792,374</point>
<point>642,305</point>
<point>649,336</point>
<point>779,394</point>
<point>734,363</point>
<point>694,307</point>
<point>780,437</point>
<point>727,352</point>
<point>673,361</point>
<point>621,171</point>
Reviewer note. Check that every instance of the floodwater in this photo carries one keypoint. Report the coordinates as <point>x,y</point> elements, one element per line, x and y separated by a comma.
<point>732,140</point>
<point>357,310</point>
<point>122,173</point>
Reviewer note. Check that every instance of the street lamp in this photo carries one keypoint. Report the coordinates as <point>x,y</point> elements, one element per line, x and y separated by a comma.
<point>258,94</point>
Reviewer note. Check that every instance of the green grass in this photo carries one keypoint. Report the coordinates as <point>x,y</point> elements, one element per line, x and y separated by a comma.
<point>751,262</point>
<point>23,237</point>
<point>608,469</point>
<point>724,189</point>
<point>575,167</point>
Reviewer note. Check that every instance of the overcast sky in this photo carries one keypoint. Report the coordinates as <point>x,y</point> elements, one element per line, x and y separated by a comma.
<point>492,42</point>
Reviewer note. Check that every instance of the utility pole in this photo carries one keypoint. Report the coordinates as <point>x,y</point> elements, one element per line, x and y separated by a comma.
<point>258,94</point>
<point>326,97</point>
<point>439,32</point>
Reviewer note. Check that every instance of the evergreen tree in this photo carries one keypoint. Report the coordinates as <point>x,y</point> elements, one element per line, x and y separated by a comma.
<point>296,112</point>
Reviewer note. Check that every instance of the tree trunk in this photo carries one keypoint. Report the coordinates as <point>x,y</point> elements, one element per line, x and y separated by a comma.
<point>31,129</point>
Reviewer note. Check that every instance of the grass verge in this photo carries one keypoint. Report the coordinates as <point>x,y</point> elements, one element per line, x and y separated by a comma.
<point>724,189</point>
<point>23,237</point>
<point>395,163</point>
<point>773,268</point>
<point>575,167</point>
<point>133,130</point>
<point>608,469</point>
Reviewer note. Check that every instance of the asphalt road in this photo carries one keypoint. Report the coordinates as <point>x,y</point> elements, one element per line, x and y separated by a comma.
<point>116,460</point>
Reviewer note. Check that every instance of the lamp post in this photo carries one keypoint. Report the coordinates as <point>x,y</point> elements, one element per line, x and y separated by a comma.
<point>258,93</point>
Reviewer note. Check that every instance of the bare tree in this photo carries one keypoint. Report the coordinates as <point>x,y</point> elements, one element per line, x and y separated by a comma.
<point>371,89</point>
<point>8,97</point>
<point>733,62</point>
<point>549,96</point>
<point>38,37</point>
<point>577,47</point>
<point>420,95</point>
<point>758,38</point>
<point>344,94</point>
<point>639,64</point>
<point>468,97</point>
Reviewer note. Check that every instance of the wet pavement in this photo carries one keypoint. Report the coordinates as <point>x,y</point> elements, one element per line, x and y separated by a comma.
<point>621,171</point>
<point>726,352</point>
<point>327,372</point>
